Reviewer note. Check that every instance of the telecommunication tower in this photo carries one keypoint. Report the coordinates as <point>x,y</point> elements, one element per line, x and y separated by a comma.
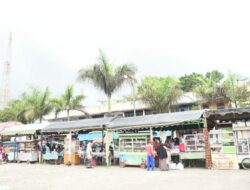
<point>5,92</point>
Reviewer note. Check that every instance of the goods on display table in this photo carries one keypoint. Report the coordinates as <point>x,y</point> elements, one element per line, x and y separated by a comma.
<point>27,151</point>
<point>194,147</point>
<point>21,151</point>
<point>71,149</point>
<point>242,134</point>
<point>52,152</point>
<point>132,149</point>
<point>223,149</point>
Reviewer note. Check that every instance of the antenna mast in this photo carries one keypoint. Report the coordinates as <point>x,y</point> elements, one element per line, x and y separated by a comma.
<point>5,87</point>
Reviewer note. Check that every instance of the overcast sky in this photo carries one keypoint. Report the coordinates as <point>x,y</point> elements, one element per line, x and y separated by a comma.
<point>53,39</point>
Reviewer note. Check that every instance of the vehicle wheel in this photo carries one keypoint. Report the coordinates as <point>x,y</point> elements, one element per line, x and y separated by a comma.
<point>246,163</point>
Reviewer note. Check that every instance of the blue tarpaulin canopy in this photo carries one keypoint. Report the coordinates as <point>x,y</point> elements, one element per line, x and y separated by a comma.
<point>94,135</point>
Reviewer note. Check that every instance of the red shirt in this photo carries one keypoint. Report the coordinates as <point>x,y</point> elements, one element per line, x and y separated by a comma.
<point>150,150</point>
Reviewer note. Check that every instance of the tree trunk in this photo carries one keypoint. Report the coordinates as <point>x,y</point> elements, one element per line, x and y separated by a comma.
<point>56,115</point>
<point>109,103</point>
<point>40,119</point>
<point>68,114</point>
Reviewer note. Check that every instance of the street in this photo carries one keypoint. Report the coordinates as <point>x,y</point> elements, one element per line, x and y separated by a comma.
<point>58,177</point>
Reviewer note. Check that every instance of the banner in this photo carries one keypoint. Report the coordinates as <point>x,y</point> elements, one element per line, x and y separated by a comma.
<point>225,161</point>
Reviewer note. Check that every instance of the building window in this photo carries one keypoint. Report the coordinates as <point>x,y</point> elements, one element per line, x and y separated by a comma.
<point>220,106</point>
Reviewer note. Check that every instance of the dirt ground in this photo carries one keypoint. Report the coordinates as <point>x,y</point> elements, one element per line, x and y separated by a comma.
<point>60,177</point>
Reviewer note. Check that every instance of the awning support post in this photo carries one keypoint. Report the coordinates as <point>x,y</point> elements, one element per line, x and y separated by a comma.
<point>208,156</point>
<point>107,144</point>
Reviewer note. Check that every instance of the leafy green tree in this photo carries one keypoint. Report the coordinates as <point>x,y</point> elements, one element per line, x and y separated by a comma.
<point>106,76</point>
<point>71,102</point>
<point>7,115</point>
<point>189,82</point>
<point>215,75</point>
<point>17,107</point>
<point>237,91</point>
<point>160,93</point>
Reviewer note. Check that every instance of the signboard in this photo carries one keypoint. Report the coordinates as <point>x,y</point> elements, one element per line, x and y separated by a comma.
<point>225,161</point>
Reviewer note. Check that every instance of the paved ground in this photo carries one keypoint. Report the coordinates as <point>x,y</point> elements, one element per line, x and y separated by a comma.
<point>60,177</point>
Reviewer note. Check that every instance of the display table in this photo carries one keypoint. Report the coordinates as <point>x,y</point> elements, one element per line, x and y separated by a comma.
<point>192,155</point>
<point>50,156</point>
<point>31,156</point>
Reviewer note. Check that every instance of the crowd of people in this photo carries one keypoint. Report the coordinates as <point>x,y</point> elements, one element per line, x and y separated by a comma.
<point>160,153</point>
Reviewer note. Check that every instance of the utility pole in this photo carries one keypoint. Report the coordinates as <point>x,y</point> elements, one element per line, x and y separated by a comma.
<point>5,83</point>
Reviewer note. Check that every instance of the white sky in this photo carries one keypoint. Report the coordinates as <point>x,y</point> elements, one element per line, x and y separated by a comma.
<point>53,39</point>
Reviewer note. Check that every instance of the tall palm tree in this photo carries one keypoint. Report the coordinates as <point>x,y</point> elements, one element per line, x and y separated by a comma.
<point>37,104</point>
<point>57,105</point>
<point>209,90</point>
<point>237,90</point>
<point>71,102</point>
<point>106,76</point>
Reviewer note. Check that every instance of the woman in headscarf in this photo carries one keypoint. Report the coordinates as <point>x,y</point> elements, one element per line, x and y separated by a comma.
<point>162,154</point>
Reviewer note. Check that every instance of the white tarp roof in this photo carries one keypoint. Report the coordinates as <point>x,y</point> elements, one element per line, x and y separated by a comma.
<point>23,129</point>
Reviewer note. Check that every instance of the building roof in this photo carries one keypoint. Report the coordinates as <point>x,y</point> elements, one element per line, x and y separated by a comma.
<point>157,120</point>
<point>187,98</point>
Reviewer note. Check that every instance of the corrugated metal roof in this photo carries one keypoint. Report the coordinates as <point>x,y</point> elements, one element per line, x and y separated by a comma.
<point>84,124</point>
<point>165,119</point>
<point>228,114</point>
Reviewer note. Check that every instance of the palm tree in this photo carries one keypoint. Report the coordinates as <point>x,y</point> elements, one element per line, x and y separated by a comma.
<point>57,105</point>
<point>37,104</point>
<point>237,90</point>
<point>209,90</point>
<point>106,76</point>
<point>71,102</point>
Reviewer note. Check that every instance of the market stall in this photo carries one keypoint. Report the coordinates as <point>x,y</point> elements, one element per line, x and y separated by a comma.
<point>98,140</point>
<point>242,139</point>
<point>75,130</point>
<point>229,140</point>
<point>24,142</point>
<point>223,149</point>
<point>180,121</point>
<point>132,149</point>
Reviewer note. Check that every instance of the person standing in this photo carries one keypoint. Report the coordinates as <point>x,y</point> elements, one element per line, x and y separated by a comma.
<point>150,155</point>
<point>89,155</point>
<point>162,154</point>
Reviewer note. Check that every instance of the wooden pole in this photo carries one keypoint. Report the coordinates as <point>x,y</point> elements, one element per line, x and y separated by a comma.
<point>208,156</point>
<point>41,148</point>
<point>151,133</point>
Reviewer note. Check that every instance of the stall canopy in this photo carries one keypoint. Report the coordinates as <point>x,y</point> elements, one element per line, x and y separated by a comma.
<point>164,121</point>
<point>228,114</point>
<point>95,135</point>
<point>23,129</point>
<point>79,125</point>
<point>8,124</point>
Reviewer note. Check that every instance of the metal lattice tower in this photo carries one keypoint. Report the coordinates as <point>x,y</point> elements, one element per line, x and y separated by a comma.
<point>5,83</point>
